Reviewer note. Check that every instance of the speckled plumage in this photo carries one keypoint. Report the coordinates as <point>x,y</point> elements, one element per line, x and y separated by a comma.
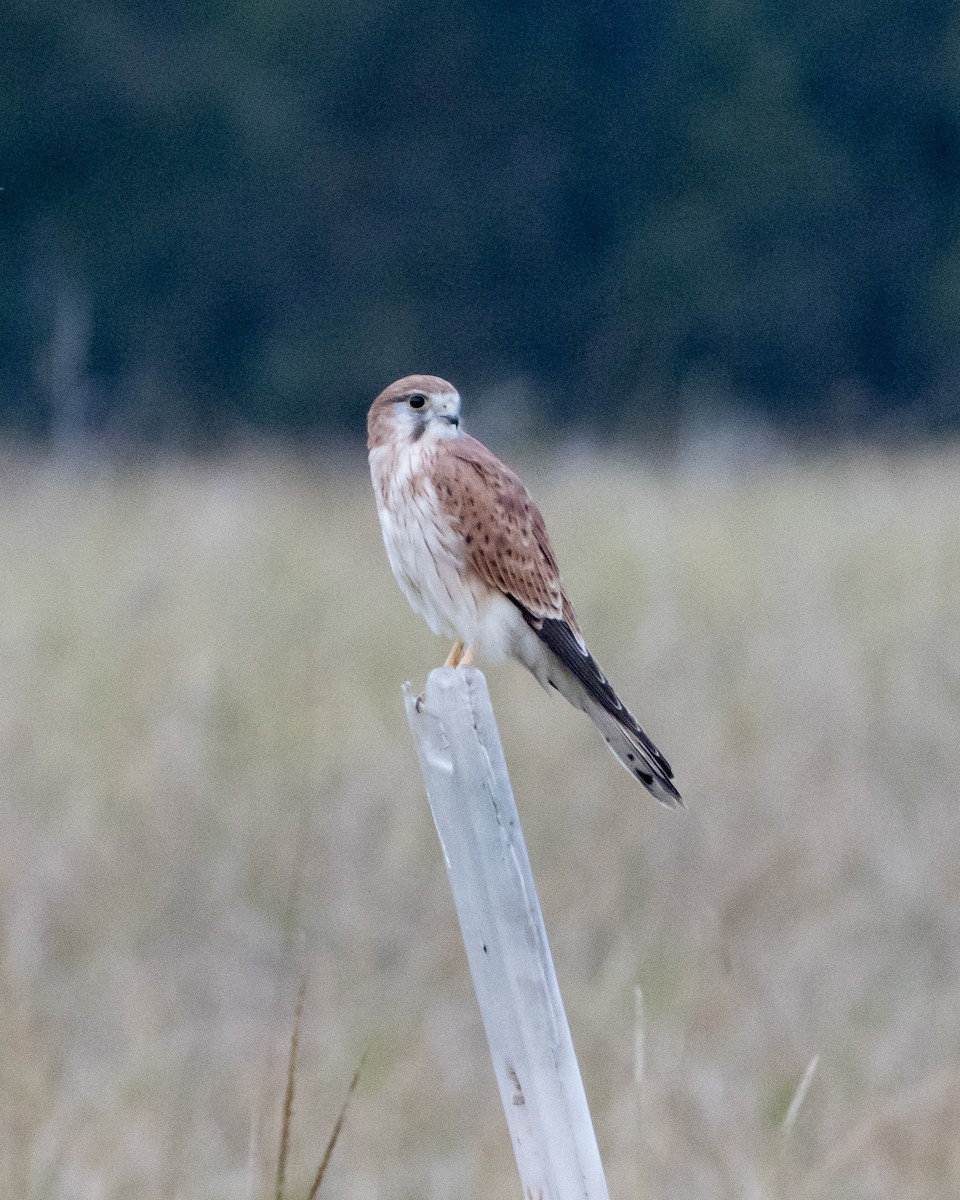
<point>470,550</point>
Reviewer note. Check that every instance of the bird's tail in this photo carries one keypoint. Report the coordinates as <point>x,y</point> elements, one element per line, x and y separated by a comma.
<point>634,750</point>
<point>574,672</point>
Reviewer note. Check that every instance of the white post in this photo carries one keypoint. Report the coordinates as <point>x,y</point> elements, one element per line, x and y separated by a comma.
<point>476,818</point>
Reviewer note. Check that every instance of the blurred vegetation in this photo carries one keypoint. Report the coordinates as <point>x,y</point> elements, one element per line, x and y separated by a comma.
<point>242,214</point>
<point>211,787</point>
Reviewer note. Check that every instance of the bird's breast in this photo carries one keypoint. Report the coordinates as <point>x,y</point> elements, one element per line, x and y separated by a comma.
<point>424,547</point>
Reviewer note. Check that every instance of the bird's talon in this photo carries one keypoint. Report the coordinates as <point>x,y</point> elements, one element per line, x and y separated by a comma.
<point>419,702</point>
<point>453,658</point>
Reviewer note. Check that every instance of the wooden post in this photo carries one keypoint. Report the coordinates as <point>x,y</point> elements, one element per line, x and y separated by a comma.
<point>476,818</point>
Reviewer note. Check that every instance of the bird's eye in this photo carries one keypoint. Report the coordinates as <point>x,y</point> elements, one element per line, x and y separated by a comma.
<point>417,401</point>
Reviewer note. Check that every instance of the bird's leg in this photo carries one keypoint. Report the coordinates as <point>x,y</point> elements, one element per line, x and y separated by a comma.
<point>466,658</point>
<point>455,658</point>
<point>455,655</point>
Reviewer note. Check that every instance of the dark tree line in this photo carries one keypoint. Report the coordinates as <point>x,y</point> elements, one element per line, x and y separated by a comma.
<point>254,213</point>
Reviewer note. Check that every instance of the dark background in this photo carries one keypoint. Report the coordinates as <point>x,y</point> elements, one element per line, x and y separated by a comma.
<point>251,216</point>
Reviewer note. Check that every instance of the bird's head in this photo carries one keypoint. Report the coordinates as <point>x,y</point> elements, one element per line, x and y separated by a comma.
<point>418,406</point>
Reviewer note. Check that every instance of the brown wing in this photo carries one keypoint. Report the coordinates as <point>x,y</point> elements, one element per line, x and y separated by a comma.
<point>504,534</point>
<point>507,545</point>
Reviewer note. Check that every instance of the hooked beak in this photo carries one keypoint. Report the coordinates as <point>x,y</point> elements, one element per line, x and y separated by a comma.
<point>452,419</point>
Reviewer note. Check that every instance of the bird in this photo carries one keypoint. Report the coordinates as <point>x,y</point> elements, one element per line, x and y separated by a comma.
<point>469,549</point>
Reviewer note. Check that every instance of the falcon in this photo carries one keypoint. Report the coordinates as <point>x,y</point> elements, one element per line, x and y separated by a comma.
<point>469,548</point>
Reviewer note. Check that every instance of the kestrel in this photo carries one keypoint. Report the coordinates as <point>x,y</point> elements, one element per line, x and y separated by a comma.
<point>470,550</point>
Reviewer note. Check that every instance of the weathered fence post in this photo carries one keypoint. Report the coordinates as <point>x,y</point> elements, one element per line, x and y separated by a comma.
<point>476,818</point>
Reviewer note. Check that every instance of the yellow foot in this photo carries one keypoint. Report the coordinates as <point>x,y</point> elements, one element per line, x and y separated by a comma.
<point>466,658</point>
<point>455,655</point>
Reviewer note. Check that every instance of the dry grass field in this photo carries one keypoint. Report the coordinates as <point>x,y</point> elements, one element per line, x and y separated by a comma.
<point>208,787</point>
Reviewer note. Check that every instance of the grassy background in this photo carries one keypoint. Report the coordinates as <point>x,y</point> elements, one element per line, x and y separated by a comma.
<point>208,783</point>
